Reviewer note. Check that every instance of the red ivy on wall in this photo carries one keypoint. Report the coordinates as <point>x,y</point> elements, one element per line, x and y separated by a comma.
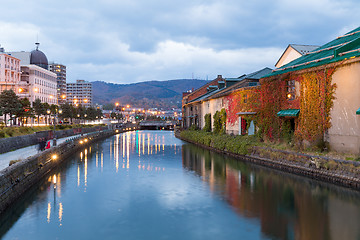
<point>243,100</point>
<point>315,101</point>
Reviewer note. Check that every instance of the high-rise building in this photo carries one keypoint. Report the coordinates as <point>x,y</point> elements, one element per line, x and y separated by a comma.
<point>79,93</point>
<point>36,80</point>
<point>60,71</point>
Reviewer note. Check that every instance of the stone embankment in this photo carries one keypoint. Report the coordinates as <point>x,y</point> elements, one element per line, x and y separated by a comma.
<point>13,143</point>
<point>19,177</point>
<point>341,172</point>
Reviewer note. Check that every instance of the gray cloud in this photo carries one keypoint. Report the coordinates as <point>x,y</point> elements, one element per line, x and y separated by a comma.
<point>137,40</point>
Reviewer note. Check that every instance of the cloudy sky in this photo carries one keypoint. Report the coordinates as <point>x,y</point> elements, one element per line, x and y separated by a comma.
<point>125,41</point>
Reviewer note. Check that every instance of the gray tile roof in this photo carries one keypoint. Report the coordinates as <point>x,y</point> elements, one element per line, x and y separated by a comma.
<point>303,49</point>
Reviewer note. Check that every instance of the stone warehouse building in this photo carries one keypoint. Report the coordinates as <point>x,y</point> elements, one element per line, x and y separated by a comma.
<point>318,94</point>
<point>219,94</point>
<point>314,97</point>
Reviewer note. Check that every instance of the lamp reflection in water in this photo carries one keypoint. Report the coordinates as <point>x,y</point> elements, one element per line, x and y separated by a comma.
<point>97,159</point>
<point>123,149</point>
<point>61,209</point>
<point>116,151</point>
<point>56,181</point>
<point>78,176</point>
<point>85,167</point>
<point>128,150</point>
<point>102,161</point>
<point>48,212</point>
<point>143,145</point>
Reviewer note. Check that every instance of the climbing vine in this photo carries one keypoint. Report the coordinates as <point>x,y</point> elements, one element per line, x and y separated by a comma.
<point>220,121</point>
<point>244,100</point>
<point>207,118</point>
<point>273,99</point>
<point>316,101</point>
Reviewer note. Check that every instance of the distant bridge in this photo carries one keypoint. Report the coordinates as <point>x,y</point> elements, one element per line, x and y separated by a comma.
<point>157,125</point>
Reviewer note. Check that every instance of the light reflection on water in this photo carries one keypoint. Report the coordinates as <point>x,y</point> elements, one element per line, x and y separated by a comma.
<point>288,207</point>
<point>149,185</point>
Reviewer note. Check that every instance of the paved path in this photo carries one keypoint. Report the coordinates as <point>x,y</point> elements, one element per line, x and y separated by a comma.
<point>24,153</point>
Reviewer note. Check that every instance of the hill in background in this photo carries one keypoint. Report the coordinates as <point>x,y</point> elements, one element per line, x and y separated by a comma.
<point>150,94</point>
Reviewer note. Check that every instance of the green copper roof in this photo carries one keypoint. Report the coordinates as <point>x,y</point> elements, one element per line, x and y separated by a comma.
<point>358,112</point>
<point>289,113</point>
<point>343,47</point>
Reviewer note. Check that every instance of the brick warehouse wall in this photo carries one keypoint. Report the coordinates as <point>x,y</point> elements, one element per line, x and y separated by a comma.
<point>19,177</point>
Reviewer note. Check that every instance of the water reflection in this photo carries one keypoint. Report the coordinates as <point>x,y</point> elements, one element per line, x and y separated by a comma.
<point>288,207</point>
<point>121,148</point>
<point>55,207</point>
<point>116,188</point>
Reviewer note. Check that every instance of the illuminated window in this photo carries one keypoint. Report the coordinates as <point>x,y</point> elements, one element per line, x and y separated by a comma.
<point>291,91</point>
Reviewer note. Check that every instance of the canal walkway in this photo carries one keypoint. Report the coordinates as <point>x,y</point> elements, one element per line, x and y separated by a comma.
<point>23,153</point>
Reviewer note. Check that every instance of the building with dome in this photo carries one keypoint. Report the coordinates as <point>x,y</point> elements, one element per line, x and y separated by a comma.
<point>36,80</point>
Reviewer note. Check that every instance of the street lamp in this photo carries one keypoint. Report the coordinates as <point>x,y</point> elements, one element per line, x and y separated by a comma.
<point>48,112</point>
<point>54,122</point>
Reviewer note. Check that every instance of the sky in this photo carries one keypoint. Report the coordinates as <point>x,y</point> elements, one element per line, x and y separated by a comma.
<point>127,41</point>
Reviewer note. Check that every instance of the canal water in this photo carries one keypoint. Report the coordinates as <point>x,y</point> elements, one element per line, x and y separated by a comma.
<point>150,185</point>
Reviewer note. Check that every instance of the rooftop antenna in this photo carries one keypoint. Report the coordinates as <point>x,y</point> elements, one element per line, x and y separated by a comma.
<point>37,42</point>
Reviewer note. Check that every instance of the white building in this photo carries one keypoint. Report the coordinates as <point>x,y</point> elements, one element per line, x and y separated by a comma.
<point>36,80</point>
<point>79,93</point>
<point>38,83</point>
<point>9,72</point>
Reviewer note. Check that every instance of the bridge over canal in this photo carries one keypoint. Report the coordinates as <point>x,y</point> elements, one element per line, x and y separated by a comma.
<point>157,125</point>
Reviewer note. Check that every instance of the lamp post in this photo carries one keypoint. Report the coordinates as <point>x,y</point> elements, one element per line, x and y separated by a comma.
<point>54,123</point>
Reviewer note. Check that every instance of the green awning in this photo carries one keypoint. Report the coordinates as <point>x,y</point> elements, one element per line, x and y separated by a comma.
<point>358,111</point>
<point>289,113</point>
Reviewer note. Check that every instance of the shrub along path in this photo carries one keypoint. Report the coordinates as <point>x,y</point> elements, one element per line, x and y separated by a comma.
<point>340,170</point>
<point>20,131</point>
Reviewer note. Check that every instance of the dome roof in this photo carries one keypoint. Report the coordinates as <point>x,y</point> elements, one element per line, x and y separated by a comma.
<point>37,57</point>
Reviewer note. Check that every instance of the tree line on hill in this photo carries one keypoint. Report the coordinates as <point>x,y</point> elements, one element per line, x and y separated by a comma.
<point>20,110</point>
